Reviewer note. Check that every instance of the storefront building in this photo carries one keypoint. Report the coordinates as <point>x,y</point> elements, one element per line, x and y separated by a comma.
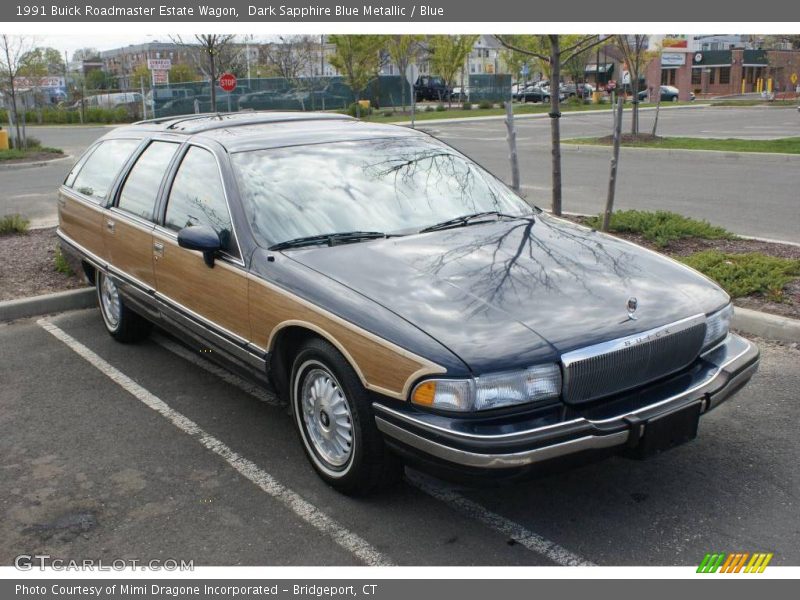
<point>711,73</point>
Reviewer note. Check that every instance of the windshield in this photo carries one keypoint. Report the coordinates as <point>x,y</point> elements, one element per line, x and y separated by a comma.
<point>395,186</point>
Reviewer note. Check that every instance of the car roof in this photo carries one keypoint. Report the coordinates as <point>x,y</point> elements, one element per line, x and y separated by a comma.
<point>260,130</point>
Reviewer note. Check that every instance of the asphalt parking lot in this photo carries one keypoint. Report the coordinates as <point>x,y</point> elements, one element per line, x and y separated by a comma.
<point>149,451</point>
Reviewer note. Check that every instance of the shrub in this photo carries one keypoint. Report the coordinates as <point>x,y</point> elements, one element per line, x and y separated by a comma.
<point>484,104</point>
<point>440,108</point>
<point>13,224</point>
<point>466,105</point>
<point>61,264</point>
<point>745,274</point>
<point>429,108</point>
<point>661,227</point>
<point>354,110</point>
<point>388,113</point>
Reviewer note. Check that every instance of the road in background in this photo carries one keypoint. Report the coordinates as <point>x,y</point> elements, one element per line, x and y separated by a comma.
<point>32,191</point>
<point>750,194</point>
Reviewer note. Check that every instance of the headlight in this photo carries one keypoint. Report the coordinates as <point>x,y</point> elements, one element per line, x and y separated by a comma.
<point>495,390</point>
<point>717,326</point>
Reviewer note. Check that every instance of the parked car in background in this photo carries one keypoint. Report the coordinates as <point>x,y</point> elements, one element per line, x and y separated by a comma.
<point>431,88</point>
<point>583,90</point>
<point>110,100</point>
<point>668,94</point>
<point>538,93</point>
<point>474,332</point>
<point>460,94</point>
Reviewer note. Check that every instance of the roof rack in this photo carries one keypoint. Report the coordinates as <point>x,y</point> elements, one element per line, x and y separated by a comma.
<point>218,120</point>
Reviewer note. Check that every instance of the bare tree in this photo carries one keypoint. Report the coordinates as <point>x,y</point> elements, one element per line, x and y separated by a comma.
<point>13,49</point>
<point>214,50</point>
<point>291,57</point>
<point>549,50</point>
<point>637,54</point>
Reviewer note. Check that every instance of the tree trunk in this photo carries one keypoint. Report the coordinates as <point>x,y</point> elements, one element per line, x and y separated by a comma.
<point>555,127</point>
<point>512,146</point>
<point>658,109</point>
<point>612,180</point>
<point>12,90</point>
<point>635,103</point>
<point>212,69</point>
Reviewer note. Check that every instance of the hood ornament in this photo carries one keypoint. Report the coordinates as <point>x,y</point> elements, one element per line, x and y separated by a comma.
<point>632,305</point>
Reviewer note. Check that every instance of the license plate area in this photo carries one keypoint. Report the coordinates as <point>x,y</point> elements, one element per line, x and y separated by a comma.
<point>667,431</point>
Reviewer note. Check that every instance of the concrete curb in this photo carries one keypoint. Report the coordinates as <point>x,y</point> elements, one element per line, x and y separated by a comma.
<point>767,326</point>
<point>751,322</point>
<point>23,308</point>
<point>37,163</point>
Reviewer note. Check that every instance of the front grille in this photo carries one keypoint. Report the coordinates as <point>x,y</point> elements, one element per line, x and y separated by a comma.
<point>612,367</point>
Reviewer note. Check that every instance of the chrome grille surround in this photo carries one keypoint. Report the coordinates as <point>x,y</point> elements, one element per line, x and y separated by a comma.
<point>625,363</point>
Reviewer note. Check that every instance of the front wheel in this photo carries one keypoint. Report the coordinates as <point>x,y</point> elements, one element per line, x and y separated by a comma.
<point>333,416</point>
<point>121,322</point>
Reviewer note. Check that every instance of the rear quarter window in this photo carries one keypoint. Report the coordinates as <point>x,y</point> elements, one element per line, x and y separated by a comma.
<point>93,175</point>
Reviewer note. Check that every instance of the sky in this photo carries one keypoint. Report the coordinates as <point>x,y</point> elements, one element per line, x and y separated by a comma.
<point>70,43</point>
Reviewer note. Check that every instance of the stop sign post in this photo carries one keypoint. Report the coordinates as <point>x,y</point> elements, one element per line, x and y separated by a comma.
<point>227,81</point>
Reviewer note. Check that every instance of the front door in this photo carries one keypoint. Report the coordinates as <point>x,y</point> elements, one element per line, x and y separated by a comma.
<point>213,297</point>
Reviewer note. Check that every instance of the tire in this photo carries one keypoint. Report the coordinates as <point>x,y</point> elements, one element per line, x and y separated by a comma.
<point>121,322</point>
<point>327,398</point>
<point>674,98</point>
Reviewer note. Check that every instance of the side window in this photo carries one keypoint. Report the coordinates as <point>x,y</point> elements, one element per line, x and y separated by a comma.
<point>197,198</point>
<point>98,171</point>
<point>139,192</point>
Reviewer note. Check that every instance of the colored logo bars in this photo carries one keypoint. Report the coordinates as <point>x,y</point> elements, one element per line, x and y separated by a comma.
<point>735,562</point>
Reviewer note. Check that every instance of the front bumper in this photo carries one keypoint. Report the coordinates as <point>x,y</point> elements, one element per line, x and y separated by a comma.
<point>511,442</point>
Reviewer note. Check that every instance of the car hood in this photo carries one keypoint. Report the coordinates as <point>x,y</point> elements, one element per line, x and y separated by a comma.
<point>508,294</point>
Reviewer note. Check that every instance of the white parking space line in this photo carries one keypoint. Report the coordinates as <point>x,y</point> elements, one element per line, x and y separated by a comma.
<point>306,511</point>
<point>523,536</point>
<point>248,387</point>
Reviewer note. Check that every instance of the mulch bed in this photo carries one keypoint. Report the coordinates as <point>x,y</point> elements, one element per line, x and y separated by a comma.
<point>33,157</point>
<point>789,308</point>
<point>27,265</point>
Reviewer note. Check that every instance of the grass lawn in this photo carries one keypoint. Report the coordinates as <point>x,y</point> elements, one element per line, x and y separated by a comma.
<point>382,116</point>
<point>32,153</point>
<point>789,145</point>
<point>752,103</point>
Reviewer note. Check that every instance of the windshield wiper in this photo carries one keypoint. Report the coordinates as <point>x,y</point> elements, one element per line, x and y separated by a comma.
<point>465,220</point>
<point>330,239</point>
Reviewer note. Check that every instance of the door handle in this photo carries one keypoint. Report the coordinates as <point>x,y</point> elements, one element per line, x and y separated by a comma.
<point>110,225</point>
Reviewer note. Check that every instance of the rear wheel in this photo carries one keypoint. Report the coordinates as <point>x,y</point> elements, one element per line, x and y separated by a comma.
<point>334,418</point>
<point>674,98</point>
<point>121,322</point>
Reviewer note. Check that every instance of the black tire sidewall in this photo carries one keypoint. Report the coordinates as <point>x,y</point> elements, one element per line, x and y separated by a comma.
<point>363,470</point>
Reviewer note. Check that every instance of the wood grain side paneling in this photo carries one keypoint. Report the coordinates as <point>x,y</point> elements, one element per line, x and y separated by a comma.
<point>130,249</point>
<point>82,222</point>
<point>382,366</point>
<point>217,294</point>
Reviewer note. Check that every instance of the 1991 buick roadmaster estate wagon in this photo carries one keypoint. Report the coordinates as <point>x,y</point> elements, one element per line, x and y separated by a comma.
<point>405,303</point>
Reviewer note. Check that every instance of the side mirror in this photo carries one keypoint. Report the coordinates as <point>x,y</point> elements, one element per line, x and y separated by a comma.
<point>201,238</point>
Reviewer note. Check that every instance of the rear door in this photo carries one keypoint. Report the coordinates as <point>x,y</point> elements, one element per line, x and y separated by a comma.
<point>210,301</point>
<point>83,198</point>
<point>128,225</point>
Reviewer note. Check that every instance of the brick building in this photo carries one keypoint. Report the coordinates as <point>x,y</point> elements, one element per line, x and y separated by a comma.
<point>724,72</point>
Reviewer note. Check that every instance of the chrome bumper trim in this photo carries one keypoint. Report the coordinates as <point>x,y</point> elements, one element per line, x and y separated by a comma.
<point>501,461</point>
<point>736,367</point>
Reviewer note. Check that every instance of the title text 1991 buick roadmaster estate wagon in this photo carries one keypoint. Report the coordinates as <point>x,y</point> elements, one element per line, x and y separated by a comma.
<point>405,303</point>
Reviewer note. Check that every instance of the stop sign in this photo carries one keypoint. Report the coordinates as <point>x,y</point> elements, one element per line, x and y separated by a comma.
<point>227,81</point>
